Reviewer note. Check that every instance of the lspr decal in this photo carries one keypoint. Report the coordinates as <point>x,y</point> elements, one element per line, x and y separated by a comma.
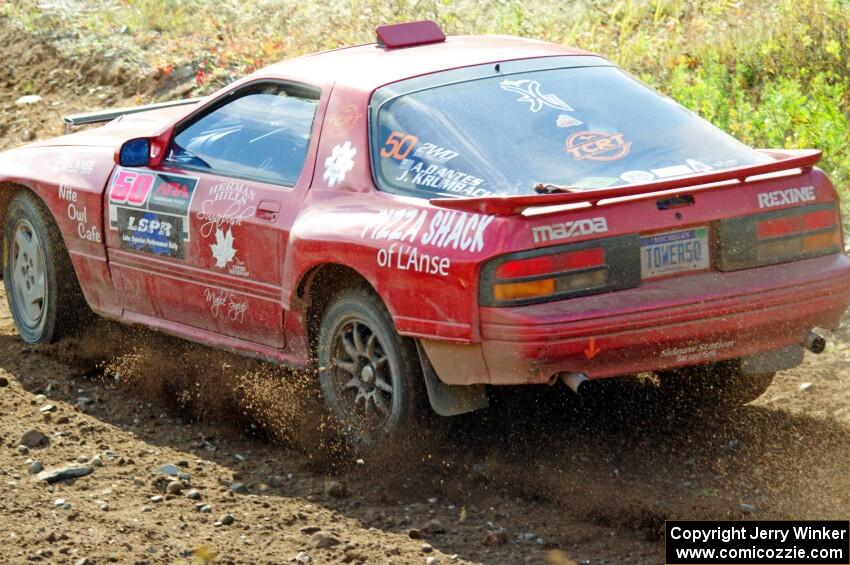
<point>151,211</point>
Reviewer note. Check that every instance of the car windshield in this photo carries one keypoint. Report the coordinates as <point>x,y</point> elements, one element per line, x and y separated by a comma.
<point>585,127</point>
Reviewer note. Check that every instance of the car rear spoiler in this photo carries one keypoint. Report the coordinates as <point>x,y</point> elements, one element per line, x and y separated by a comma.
<point>785,160</point>
<point>102,116</point>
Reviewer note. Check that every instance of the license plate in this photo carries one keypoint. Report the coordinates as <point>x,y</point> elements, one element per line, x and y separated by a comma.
<point>673,252</point>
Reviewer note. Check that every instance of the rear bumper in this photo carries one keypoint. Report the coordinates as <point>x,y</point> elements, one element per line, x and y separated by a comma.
<point>662,324</point>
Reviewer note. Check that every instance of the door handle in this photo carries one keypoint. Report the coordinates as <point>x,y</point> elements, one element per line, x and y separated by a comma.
<point>268,210</point>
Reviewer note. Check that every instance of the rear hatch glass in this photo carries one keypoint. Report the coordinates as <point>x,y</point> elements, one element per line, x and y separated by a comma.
<point>585,127</point>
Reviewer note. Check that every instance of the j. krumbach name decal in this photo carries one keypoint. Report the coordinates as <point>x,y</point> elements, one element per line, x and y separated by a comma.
<point>753,542</point>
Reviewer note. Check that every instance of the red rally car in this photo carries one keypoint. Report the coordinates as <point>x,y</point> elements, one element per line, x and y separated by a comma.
<point>423,217</point>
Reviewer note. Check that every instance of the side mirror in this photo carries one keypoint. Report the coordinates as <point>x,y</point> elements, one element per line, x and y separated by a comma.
<point>135,153</point>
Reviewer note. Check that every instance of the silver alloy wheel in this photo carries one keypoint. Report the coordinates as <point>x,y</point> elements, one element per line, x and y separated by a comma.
<point>362,376</point>
<point>29,276</point>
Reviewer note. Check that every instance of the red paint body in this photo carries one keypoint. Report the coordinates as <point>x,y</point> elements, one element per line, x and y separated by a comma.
<point>288,233</point>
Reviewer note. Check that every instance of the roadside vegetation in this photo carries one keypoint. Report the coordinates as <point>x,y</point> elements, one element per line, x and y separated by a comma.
<point>774,73</point>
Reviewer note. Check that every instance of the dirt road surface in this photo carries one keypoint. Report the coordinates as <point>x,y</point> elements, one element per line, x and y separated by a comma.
<point>196,455</point>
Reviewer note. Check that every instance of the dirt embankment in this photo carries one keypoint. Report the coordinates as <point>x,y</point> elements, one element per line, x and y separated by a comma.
<point>541,477</point>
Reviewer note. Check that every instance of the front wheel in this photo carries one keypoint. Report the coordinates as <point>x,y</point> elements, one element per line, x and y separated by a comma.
<point>42,290</point>
<point>369,377</point>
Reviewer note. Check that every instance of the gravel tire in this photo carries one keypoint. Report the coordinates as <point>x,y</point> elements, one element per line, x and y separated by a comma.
<point>41,286</point>
<point>370,376</point>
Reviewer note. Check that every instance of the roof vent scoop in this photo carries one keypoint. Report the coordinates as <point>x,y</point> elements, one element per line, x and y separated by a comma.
<point>394,36</point>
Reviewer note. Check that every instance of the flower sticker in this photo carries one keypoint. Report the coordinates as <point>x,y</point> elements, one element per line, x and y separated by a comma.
<point>339,163</point>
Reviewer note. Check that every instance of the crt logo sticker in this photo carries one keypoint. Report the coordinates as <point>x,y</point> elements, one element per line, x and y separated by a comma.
<point>597,146</point>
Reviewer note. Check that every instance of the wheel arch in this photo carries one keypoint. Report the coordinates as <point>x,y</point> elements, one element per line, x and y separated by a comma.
<point>444,399</point>
<point>316,289</point>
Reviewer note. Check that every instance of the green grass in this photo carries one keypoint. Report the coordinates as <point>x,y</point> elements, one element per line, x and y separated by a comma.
<point>774,73</point>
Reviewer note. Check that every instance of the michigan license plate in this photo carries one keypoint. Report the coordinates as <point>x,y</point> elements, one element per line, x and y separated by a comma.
<point>674,252</point>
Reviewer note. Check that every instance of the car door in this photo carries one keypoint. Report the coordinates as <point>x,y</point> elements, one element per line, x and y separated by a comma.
<point>200,240</point>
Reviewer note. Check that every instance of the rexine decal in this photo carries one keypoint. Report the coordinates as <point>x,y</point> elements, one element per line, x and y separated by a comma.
<point>151,211</point>
<point>339,164</point>
<point>567,230</point>
<point>529,91</point>
<point>788,196</point>
<point>446,229</point>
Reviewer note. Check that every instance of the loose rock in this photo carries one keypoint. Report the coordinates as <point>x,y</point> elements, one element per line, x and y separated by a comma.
<point>174,487</point>
<point>28,100</point>
<point>434,527</point>
<point>238,488</point>
<point>33,438</point>
<point>64,473</point>
<point>169,469</point>
<point>35,467</point>
<point>321,540</point>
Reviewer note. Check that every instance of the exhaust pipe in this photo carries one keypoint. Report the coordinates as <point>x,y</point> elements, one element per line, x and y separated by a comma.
<point>814,343</point>
<point>575,381</point>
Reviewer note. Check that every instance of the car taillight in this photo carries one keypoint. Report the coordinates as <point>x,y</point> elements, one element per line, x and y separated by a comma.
<point>777,237</point>
<point>562,271</point>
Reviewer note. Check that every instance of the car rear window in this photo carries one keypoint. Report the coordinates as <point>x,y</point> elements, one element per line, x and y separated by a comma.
<point>586,127</point>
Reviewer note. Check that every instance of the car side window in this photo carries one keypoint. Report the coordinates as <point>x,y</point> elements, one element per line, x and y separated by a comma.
<point>262,134</point>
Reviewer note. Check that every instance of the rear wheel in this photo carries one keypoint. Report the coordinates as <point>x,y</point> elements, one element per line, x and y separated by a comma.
<point>723,384</point>
<point>42,290</point>
<point>369,376</point>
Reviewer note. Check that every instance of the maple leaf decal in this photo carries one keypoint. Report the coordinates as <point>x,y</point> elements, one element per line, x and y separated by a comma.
<point>222,250</point>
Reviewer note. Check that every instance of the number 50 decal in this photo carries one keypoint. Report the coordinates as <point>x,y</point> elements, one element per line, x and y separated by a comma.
<point>131,187</point>
<point>399,145</point>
